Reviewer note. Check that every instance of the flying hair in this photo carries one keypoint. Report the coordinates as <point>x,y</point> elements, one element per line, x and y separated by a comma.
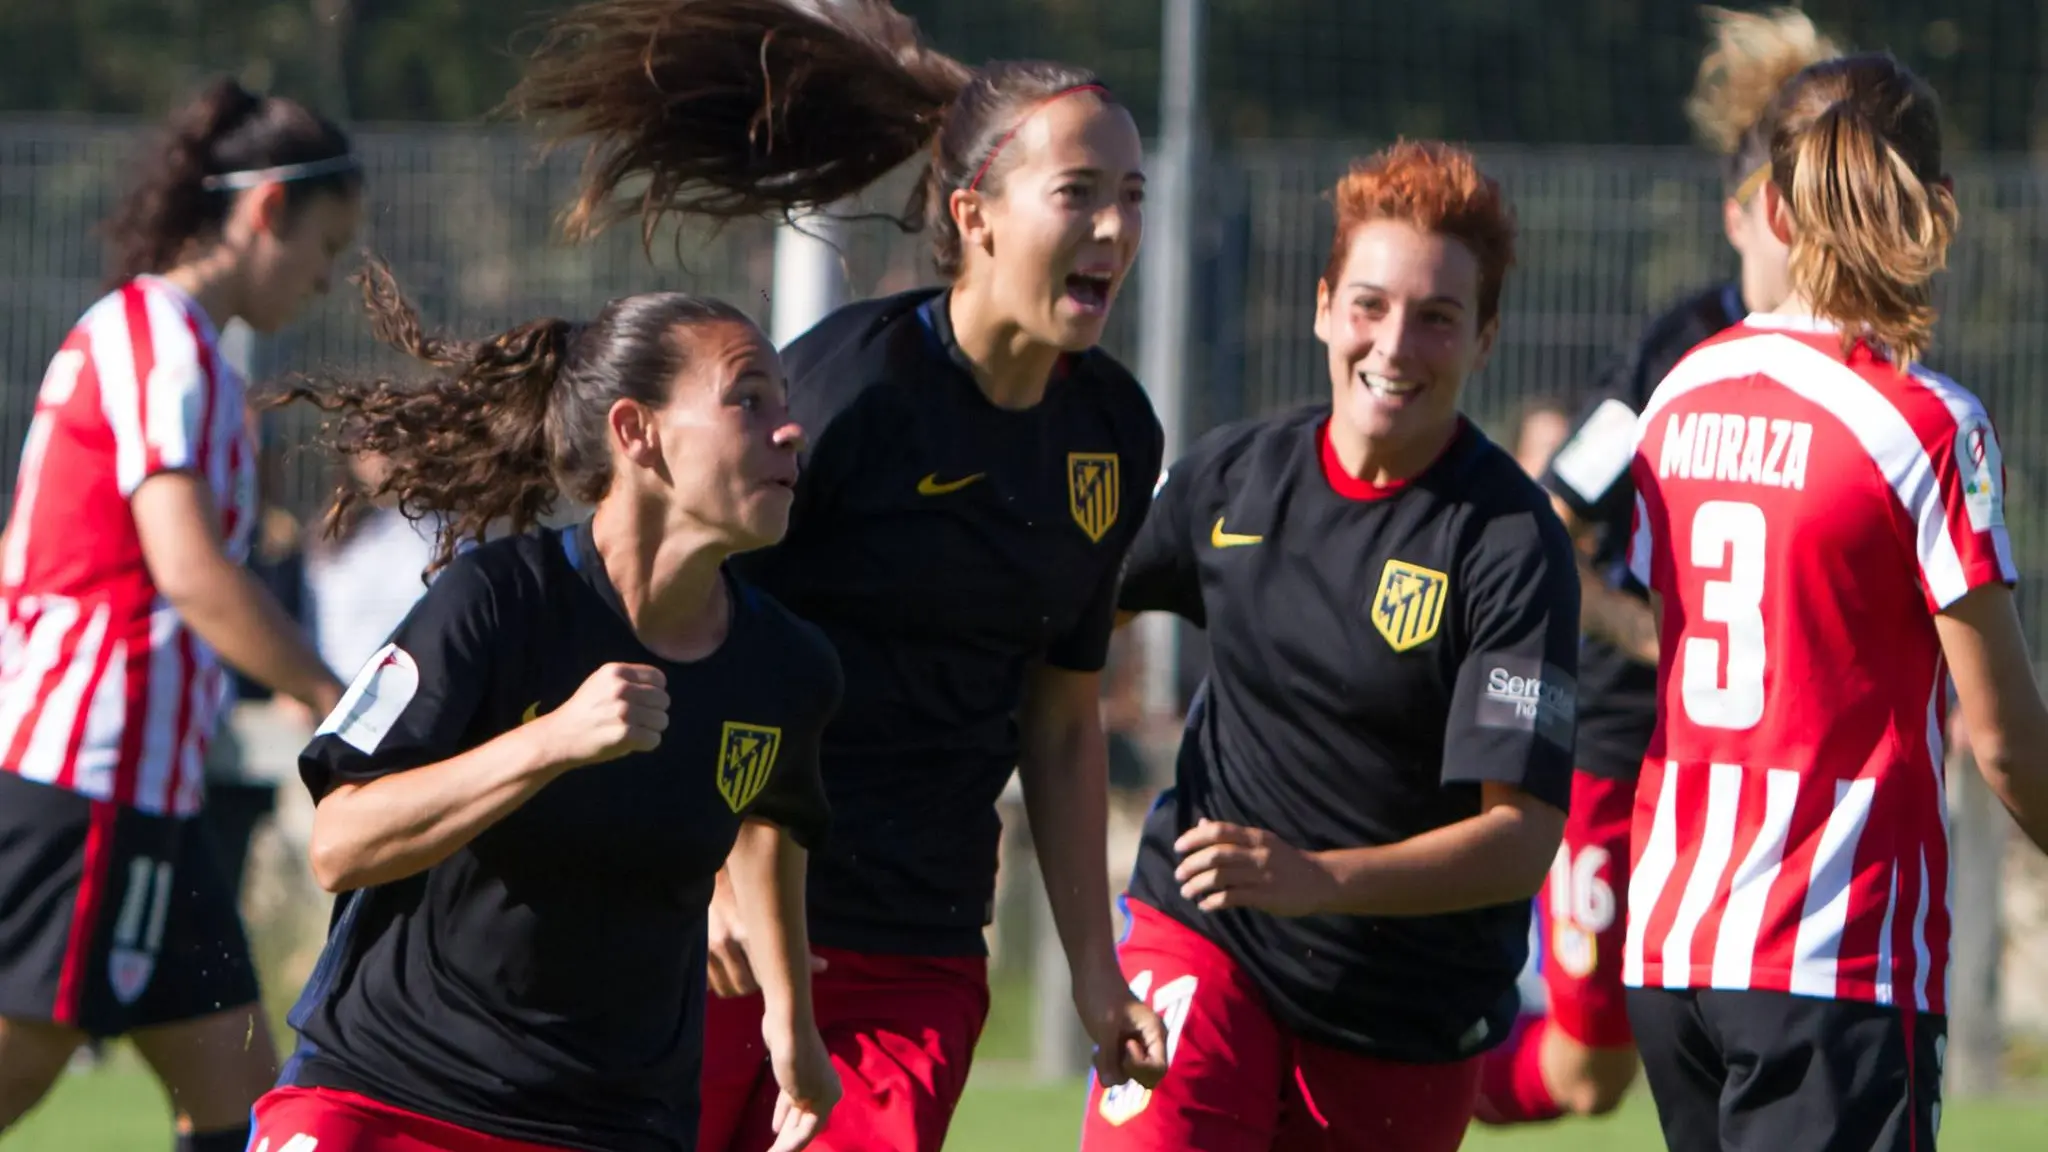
<point>501,428</point>
<point>736,109</point>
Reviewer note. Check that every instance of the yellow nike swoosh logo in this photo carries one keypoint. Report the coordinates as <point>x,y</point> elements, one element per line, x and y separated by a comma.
<point>931,486</point>
<point>1221,539</point>
<point>531,714</point>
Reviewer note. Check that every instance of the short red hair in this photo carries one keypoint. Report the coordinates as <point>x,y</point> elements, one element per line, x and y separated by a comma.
<point>1438,188</point>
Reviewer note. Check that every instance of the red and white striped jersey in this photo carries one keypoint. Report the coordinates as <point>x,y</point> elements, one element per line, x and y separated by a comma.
<point>1803,513</point>
<point>103,689</point>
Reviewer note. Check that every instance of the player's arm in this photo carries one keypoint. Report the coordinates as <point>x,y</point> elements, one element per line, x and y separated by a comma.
<point>1510,733</point>
<point>223,602</point>
<point>1588,478</point>
<point>2001,703</point>
<point>759,900</point>
<point>393,793</point>
<point>1162,571</point>
<point>1063,766</point>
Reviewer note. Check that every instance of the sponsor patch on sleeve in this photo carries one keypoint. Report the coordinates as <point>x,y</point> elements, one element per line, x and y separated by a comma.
<point>1524,695</point>
<point>1983,471</point>
<point>373,703</point>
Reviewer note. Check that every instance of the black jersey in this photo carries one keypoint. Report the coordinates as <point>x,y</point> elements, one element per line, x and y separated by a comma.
<point>1373,661</point>
<point>1618,694</point>
<point>545,983</point>
<point>945,545</point>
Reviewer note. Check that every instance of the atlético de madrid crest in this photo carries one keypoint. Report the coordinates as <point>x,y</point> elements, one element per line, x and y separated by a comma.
<point>746,757</point>
<point>1092,490</point>
<point>1409,604</point>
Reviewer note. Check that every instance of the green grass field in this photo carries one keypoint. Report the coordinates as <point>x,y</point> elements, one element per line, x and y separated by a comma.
<point>119,1108</point>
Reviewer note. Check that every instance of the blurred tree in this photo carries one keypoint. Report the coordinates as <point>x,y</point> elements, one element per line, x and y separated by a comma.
<point>1554,71</point>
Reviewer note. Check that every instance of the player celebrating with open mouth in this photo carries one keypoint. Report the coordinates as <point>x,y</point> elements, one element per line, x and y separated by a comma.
<point>1331,907</point>
<point>526,794</point>
<point>977,471</point>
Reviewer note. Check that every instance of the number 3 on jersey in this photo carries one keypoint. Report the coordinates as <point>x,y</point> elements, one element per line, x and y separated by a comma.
<point>1728,537</point>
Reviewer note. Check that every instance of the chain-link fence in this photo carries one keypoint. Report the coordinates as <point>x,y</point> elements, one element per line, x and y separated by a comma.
<point>1608,238</point>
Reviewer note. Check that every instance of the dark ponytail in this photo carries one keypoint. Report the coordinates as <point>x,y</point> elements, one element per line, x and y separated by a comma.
<point>731,109</point>
<point>503,427</point>
<point>226,128</point>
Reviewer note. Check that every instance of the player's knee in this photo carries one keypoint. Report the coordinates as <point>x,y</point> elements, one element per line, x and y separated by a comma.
<point>32,1056</point>
<point>1598,1083</point>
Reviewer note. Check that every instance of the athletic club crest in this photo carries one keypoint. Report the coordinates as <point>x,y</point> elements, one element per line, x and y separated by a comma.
<point>128,973</point>
<point>745,759</point>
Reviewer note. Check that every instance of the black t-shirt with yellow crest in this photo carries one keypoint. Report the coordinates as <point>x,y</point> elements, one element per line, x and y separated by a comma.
<point>1376,655</point>
<point>545,983</point>
<point>946,546</point>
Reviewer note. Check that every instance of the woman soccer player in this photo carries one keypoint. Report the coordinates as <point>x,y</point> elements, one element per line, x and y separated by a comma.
<point>1331,907</point>
<point>124,593</point>
<point>524,825</point>
<point>977,469</point>
<point>1822,520</point>
<point>1579,1057</point>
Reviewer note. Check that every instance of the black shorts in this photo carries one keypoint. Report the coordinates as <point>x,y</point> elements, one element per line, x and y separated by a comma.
<point>112,920</point>
<point>1771,1071</point>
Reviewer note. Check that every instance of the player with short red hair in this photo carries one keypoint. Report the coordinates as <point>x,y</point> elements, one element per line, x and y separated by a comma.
<point>1330,908</point>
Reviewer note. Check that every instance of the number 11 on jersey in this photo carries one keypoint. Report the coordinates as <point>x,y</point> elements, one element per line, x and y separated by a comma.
<point>1728,537</point>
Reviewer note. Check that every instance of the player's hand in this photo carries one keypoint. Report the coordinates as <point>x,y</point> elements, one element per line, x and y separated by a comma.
<point>729,973</point>
<point>620,709</point>
<point>728,970</point>
<point>1228,866</point>
<point>1130,1039</point>
<point>809,1088</point>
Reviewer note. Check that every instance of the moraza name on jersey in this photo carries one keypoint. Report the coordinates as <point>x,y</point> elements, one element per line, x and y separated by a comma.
<point>1728,446</point>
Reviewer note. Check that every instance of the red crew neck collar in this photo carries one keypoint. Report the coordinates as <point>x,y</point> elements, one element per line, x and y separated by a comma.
<point>1351,487</point>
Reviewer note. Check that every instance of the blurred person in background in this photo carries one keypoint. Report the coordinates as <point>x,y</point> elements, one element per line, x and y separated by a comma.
<point>1822,523</point>
<point>1578,1056</point>
<point>1331,906</point>
<point>976,470</point>
<point>239,797</point>
<point>125,593</point>
<point>1542,425</point>
<point>363,575</point>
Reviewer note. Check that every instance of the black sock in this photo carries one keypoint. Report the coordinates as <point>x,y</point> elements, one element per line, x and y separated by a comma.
<point>225,1140</point>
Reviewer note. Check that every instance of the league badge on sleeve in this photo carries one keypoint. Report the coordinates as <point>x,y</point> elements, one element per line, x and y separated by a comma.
<point>1983,472</point>
<point>1408,607</point>
<point>373,703</point>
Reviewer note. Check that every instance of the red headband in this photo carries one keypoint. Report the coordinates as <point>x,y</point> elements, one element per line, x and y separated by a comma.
<point>1028,114</point>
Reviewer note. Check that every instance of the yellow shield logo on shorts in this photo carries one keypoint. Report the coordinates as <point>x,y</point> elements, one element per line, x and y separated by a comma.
<point>746,756</point>
<point>1092,491</point>
<point>1409,604</point>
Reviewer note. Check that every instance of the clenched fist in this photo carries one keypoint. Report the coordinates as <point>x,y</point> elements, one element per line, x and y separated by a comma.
<point>619,710</point>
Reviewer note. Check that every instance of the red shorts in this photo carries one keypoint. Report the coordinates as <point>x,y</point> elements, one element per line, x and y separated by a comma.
<point>1236,1081</point>
<point>1583,913</point>
<point>296,1119</point>
<point>901,1030</point>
